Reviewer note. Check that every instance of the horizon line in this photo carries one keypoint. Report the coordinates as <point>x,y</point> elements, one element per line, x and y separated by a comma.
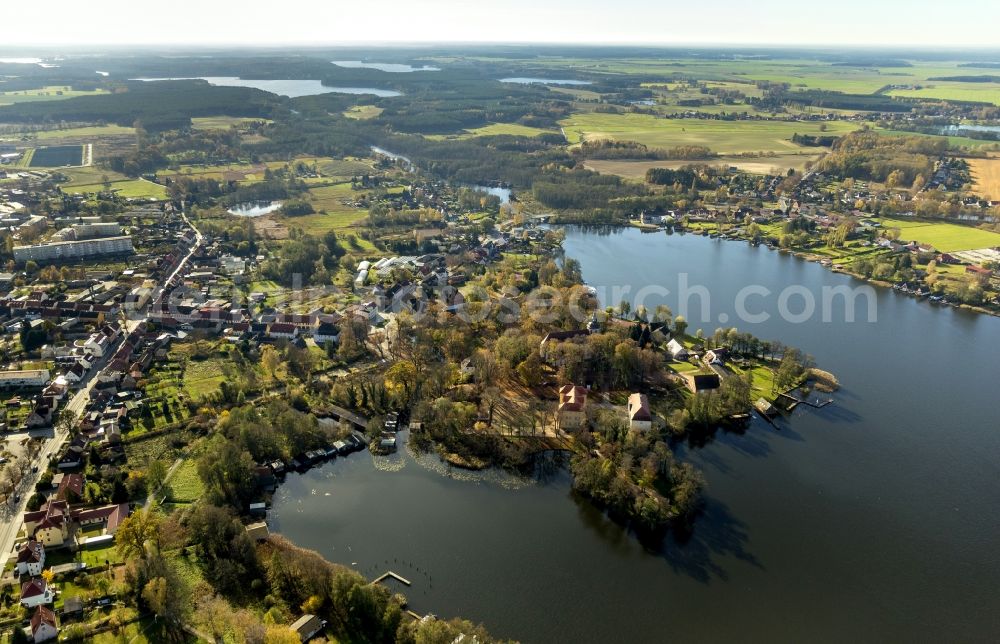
<point>390,44</point>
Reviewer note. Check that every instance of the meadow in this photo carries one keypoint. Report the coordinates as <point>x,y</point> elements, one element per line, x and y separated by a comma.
<point>761,165</point>
<point>88,132</point>
<point>944,237</point>
<point>493,129</point>
<point>956,91</point>
<point>222,122</point>
<point>724,137</point>
<point>91,179</point>
<point>48,93</point>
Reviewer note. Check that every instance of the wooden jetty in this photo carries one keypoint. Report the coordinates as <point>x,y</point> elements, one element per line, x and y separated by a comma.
<point>819,404</point>
<point>391,575</point>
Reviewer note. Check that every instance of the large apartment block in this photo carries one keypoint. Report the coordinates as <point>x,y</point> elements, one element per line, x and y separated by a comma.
<point>55,251</point>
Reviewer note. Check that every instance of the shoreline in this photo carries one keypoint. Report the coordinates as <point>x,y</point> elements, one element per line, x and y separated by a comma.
<point>800,254</point>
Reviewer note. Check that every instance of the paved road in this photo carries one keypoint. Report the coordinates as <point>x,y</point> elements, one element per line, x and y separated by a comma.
<point>11,517</point>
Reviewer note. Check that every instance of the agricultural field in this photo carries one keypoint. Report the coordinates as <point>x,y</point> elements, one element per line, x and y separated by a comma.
<point>493,129</point>
<point>762,165</point>
<point>944,237</point>
<point>222,122</point>
<point>724,137</point>
<point>363,112</point>
<point>87,132</point>
<point>954,141</point>
<point>91,179</point>
<point>49,93</point>
<point>956,91</point>
<point>986,174</point>
<point>57,156</point>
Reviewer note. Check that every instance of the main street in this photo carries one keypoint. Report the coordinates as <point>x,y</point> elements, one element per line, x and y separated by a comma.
<point>60,433</point>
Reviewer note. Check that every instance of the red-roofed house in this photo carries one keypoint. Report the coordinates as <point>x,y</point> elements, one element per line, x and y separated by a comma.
<point>31,559</point>
<point>43,625</point>
<point>572,406</point>
<point>36,592</point>
<point>639,417</point>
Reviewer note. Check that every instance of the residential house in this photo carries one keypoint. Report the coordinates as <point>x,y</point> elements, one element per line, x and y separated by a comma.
<point>70,488</point>
<point>282,330</point>
<point>43,625</point>
<point>572,412</point>
<point>677,350</point>
<point>639,416</point>
<point>306,627</point>
<point>37,592</point>
<point>31,558</point>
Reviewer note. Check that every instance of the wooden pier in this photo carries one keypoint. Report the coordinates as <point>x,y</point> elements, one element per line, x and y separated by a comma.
<point>391,575</point>
<point>819,404</point>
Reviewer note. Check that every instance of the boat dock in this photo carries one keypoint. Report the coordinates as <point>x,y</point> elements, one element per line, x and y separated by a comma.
<point>391,575</point>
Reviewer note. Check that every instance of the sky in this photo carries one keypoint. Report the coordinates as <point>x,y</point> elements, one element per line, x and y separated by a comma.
<point>965,23</point>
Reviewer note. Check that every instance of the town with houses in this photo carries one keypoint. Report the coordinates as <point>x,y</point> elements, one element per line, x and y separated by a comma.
<point>204,317</point>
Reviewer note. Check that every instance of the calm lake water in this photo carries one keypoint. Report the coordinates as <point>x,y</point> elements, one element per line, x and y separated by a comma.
<point>527,80</point>
<point>502,193</point>
<point>395,68</point>
<point>873,519</point>
<point>255,208</point>
<point>289,88</point>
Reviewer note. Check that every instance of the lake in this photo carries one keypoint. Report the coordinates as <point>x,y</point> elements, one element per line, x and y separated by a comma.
<point>873,519</point>
<point>255,208</point>
<point>395,68</point>
<point>526,80</point>
<point>392,155</point>
<point>289,88</point>
<point>502,193</point>
<point>958,129</point>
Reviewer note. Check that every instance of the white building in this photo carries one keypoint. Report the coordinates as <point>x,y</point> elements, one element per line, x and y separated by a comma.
<point>24,378</point>
<point>55,251</point>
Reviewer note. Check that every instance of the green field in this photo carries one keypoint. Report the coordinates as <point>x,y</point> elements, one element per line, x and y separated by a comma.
<point>363,112</point>
<point>956,91</point>
<point>957,141</point>
<point>49,93</point>
<point>753,165</point>
<point>57,156</point>
<point>725,137</point>
<point>493,129</point>
<point>203,377</point>
<point>221,122</point>
<point>128,188</point>
<point>944,237</point>
<point>94,131</point>
<point>185,485</point>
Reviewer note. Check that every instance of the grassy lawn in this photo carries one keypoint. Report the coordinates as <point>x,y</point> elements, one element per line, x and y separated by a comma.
<point>49,93</point>
<point>725,137</point>
<point>944,237</point>
<point>185,485</point>
<point>129,188</point>
<point>203,377</point>
<point>331,211</point>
